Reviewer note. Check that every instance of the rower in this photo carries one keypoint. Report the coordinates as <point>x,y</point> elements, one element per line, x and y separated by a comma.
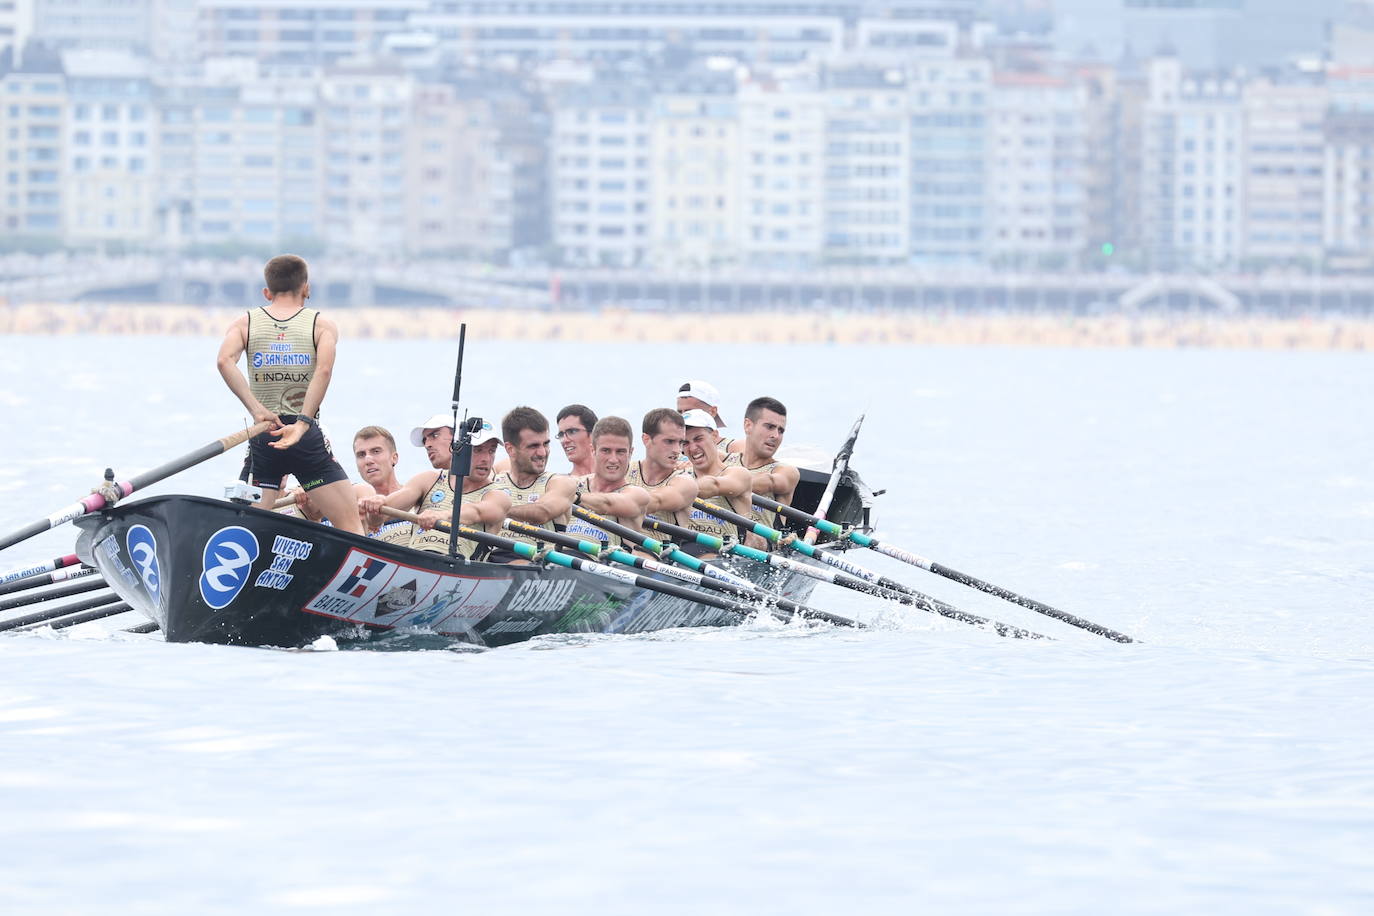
<point>726,487</point>
<point>538,496</point>
<point>374,450</point>
<point>765,422</point>
<point>290,351</point>
<point>575,424</point>
<point>431,492</point>
<point>699,395</point>
<point>605,490</point>
<point>670,485</point>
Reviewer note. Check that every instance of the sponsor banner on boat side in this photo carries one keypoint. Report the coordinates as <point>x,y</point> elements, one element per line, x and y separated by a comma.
<point>226,563</point>
<point>142,547</point>
<point>285,552</point>
<point>369,589</point>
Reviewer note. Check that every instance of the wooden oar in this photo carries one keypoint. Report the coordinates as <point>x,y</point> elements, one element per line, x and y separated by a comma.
<point>53,613</point>
<point>15,575</point>
<point>860,579</point>
<point>836,472</point>
<point>97,501</point>
<point>61,591</point>
<point>872,543</point>
<point>38,581</point>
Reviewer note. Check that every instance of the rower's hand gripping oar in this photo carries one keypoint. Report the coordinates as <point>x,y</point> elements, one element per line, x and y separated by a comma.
<point>872,543</point>
<point>855,577</point>
<point>101,500</point>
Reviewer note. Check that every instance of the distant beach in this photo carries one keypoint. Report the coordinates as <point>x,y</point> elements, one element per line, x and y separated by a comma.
<point>835,327</point>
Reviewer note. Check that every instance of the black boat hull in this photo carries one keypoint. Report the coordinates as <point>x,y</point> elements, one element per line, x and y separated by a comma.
<point>212,571</point>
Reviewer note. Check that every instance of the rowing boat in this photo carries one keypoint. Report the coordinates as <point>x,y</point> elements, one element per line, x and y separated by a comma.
<point>215,571</point>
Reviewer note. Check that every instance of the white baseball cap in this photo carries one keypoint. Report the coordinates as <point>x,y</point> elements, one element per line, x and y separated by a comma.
<point>702,391</point>
<point>698,417</point>
<point>441,420</point>
<point>438,421</point>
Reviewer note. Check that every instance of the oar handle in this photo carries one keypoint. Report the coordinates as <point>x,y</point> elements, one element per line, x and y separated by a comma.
<point>622,531</point>
<point>553,537</point>
<point>798,515</point>
<point>763,531</point>
<point>709,541</point>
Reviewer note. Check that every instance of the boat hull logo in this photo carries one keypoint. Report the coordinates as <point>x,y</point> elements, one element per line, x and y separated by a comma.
<point>225,564</point>
<point>142,547</point>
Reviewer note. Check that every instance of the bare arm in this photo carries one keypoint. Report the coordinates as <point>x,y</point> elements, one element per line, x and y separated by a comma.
<point>730,482</point>
<point>407,497</point>
<point>553,504</point>
<point>780,483</point>
<point>630,502</point>
<point>676,496</point>
<point>489,510</point>
<point>230,349</point>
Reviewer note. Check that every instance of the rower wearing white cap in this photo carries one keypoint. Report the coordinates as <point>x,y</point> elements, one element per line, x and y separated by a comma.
<point>700,395</point>
<point>727,487</point>
<point>431,493</point>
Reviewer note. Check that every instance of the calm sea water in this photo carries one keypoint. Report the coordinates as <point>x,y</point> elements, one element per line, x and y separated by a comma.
<point>1217,505</point>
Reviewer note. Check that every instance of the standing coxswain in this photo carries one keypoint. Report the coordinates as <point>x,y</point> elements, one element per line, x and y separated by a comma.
<point>290,354</point>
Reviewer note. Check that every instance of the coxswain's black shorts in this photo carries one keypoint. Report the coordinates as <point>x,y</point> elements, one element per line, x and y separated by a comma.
<point>310,460</point>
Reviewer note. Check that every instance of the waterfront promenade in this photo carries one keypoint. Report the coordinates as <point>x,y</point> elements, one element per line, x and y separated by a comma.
<point>895,328</point>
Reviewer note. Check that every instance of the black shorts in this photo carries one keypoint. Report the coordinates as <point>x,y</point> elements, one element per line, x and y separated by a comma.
<point>310,460</point>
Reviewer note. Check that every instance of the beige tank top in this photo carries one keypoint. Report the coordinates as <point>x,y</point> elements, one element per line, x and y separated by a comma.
<point>281,358</point>
<point>762,516</point>
<point>636,477</point>
<point>523,496</point>
<point>440,499</point>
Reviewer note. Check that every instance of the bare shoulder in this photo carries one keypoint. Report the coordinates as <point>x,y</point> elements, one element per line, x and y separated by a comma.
<point>561,483</point>
<point>424,480</point>
<point>638,494</point>
<point>325,327</point>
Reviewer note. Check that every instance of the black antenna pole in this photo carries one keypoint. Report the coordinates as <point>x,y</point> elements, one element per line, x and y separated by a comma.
<point>462,447</point>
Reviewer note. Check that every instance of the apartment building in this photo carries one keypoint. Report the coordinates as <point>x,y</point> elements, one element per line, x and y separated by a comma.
<point>300,32</point>
<point>950,103</point>
<point>1285,170</point>
<point>1039,163</point>
<point>16,25</point>
<point>1193,186</point>
<point>694,147</point>
<point>33,108</point>
<point>109,167</point>
<point>600,173</point>
<point>1348,148</point>
<point>782,167</point>
<point>867,164</point>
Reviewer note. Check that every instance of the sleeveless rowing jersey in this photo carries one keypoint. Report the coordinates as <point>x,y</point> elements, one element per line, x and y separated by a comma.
<point>440,498</point>
<point>706,523</point>
<point>636,477</point>
<point>281,358</point>
<point>763,516</point>
<point>396,531</point>
<point>586,530</point>
<point>522,496</point>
